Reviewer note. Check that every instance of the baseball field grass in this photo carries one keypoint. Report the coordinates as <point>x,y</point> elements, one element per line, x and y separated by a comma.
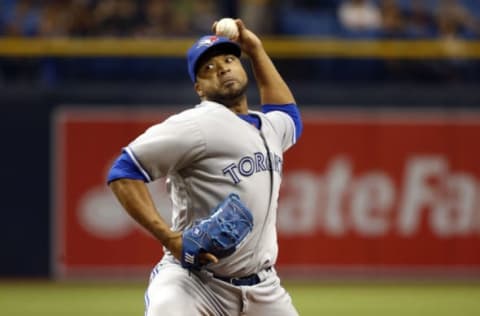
<point>26,298</point>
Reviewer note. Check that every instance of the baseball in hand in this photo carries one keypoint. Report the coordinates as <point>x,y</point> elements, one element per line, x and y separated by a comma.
<point>227,27</point>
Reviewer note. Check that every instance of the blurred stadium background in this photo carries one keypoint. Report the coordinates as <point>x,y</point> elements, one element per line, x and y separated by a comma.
<point>380,209</point>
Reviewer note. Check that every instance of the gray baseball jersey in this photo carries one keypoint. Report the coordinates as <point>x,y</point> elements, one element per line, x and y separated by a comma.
<point>208,152</point>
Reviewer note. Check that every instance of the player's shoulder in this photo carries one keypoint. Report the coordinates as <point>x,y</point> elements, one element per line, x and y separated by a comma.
<point>184,117</point>
<point>184,120</point>
<point>203,109</point>
<point>197,118</point>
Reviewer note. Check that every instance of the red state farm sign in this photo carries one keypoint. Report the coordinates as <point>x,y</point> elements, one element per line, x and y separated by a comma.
<point>383,190</point>
<point>369,190</point>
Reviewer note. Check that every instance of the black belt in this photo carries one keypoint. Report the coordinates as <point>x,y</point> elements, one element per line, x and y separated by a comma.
<point>248,280</point>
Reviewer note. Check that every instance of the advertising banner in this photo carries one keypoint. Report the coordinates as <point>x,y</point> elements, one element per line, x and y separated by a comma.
<point>372,191</point>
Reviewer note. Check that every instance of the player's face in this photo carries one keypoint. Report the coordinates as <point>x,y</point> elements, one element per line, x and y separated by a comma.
<point>221,78</point>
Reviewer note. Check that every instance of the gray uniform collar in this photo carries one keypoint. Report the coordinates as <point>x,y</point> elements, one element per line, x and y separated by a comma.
<point>213,104</point>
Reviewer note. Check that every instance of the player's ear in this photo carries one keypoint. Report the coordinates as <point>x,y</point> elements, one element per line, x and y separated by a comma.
<point>199,90</point>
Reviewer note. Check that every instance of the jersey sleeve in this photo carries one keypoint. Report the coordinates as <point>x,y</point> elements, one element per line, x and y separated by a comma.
<point>165,147</point>
<point>125,168</point>
<point>286,121</point>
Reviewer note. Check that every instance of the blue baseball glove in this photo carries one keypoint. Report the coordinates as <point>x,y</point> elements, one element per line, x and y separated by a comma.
<point>219,234</point>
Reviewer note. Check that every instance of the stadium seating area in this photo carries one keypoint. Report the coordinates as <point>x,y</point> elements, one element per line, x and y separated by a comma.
<point>381,18</point>
<point>106,17</point>
<point>348,18</point>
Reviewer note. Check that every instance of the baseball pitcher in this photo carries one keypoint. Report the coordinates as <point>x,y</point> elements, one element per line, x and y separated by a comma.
<point>223,167</point>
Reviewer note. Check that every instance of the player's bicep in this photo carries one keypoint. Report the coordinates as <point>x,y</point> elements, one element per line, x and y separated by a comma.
<point>287,122</point>
<point>166,147</point>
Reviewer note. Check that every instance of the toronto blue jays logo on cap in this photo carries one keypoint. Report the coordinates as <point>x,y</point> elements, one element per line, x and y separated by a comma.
<point>207,41</point>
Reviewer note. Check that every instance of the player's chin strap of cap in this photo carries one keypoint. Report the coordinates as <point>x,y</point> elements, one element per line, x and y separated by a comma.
<point>248,280</point>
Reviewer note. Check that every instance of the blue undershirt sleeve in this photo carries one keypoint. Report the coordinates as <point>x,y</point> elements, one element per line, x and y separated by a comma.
<point>125,167</point>
<point>292,111</point>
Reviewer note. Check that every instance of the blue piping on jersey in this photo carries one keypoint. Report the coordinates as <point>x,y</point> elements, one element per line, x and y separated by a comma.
<point>126,166</point>
<point>292,111</point>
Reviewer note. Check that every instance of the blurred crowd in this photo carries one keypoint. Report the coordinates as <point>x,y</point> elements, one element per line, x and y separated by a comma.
<point>446,18</point>
<point>106,17</point>
<point>364,19</point>
<point>150,18</point>
<point>383,18</point>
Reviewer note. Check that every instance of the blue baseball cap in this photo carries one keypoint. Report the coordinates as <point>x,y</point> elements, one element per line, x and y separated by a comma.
<point>208,43</point>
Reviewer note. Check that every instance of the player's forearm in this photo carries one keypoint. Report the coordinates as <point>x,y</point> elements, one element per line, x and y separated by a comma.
<point>272,88</point>
<point>135,198</point>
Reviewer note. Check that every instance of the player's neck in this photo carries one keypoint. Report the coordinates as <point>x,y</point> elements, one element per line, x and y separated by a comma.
<point>241,108</point>
<point>237,105</point>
